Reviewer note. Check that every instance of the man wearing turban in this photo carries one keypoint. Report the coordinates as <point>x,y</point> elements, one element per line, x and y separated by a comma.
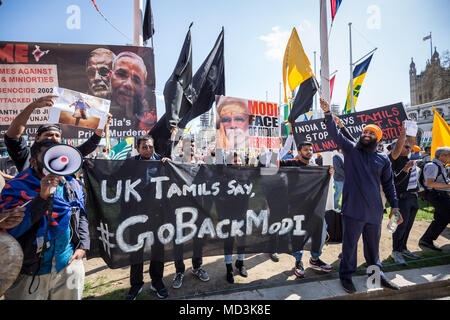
<point>362,208</point>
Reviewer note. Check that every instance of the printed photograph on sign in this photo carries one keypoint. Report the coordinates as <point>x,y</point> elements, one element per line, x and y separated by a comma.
<point>232,123</point>
<point>125,75</point>
<point>79,109</point>
<point>248,125</point>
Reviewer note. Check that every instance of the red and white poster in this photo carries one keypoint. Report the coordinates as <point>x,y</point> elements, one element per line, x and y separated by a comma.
<point>125,75</point>
<point>243,124</point>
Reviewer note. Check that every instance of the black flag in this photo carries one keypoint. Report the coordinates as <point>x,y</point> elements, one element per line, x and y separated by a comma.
<point>161,135</point>
<point>178,89</point>
<point>303,99</point>
<point>148,29</point>
<point>208,81</point>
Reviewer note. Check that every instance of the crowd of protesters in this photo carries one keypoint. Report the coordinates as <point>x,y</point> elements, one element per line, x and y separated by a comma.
<point>54,245</point>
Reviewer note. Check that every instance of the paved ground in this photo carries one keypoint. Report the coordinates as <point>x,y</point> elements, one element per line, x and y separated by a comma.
<point>424,282</point>
<point>104,283</point>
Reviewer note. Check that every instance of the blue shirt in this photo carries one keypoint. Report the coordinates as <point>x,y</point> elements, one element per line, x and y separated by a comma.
<point>80,105</point>
<point>338,164</point>
<point>60,248</point>
<point>365,173</point>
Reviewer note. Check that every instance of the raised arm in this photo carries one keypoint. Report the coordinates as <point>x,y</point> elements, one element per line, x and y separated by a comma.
<point>401,142</point>
<point>287,146</point>
<point>343,142</point>
<point>19,123</point>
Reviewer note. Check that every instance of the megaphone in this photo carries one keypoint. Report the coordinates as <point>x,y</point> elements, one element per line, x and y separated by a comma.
<point>62,160</point>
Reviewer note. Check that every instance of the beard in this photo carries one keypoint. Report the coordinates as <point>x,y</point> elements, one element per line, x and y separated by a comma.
<point>368,146</point>
<point>236,137</point>
<point>307,158</point>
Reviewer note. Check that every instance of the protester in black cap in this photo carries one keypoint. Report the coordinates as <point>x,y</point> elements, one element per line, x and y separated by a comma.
<point>17,146</point>
<point>305,153</point>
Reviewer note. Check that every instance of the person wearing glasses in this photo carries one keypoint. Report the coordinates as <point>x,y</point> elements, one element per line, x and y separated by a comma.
<point>405,181</point>
<point>98,71</point>
<point>232,124</point>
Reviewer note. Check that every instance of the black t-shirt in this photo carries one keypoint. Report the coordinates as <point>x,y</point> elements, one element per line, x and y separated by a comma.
<point>401,178</point>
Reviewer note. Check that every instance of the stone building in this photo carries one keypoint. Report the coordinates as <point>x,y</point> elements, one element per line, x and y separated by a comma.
<point>430,88</point>
<point>433,84</point>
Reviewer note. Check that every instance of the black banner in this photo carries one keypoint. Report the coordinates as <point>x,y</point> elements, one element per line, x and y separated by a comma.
<point>142,210</point>
<point>388,118</point>
<point>31,70</point>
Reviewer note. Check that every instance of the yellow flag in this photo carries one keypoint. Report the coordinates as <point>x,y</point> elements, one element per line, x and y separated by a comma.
<point>296,65</point>
<point>441,133</point>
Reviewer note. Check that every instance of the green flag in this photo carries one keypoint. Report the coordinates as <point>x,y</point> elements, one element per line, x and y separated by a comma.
<point>120,151</point>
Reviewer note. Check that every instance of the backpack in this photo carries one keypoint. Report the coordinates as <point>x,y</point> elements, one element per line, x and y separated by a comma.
<point>423,191</point>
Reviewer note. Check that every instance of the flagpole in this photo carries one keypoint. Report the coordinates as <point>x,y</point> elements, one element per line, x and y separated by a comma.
<point>324,67</point>
<point>368,54</point>
<point>315,96</point>
<point>351,68</point>
<point>431,47</point>
<point>138,38</point>
<point>279,112</point>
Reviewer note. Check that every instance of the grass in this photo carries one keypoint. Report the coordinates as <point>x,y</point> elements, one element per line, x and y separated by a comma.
<point>427,259</point>
<point>425,212</point>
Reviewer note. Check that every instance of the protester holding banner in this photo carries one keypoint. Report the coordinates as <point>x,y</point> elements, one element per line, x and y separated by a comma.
<point>305,153</point>
<point>57,241</point>
<point>365,170</point>
<point>197,259</point>
<point>405,180</point>
<point>145,148</point>
<point>17,146</point>
<point>228,245</point>
<point>339,177</point>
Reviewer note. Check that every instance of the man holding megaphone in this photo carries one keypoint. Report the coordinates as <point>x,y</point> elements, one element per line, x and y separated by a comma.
<point>54,233</point>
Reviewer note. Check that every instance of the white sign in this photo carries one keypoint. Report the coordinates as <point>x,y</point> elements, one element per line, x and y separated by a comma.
<point>79,109</point>
<point>411,128</point>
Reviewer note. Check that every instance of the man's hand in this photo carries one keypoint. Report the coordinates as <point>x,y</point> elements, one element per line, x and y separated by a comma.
<point>11,218</point>
<point>174,133</point>
<point>42,102</point>
<point>99,132</point>
<point>408,166</point>
<point>402,129</point>
<point>324,105</point>
<point>165,159</point>
<point>17,127</point>
<point>331,171</point>
<point>78,254</point>
<point>338,122</point>
<point>47,183</point>
<point>394,211</point>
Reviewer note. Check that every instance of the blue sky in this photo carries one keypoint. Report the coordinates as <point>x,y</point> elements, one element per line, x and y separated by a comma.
<point>256,33</point>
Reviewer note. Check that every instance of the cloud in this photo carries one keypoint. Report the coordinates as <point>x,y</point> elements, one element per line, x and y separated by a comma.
<point>159,97</point>
<point>276,43</point>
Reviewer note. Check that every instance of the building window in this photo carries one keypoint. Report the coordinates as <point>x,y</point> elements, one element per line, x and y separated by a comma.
<point>413,116</point>
<point>426,114</point>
